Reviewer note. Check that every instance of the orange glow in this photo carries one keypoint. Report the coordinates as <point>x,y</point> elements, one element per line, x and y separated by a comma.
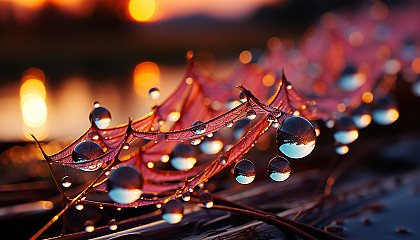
<point>320,88</point>
<point>274,44</point>
<point>189,55</point>
<point>142,10</point>
<point>416,65</point>
<point>245,57</point>
<point>30,3</point>
<point>356,39</point>
<point>341,107</point>
<point>383,53</point>
<point>367,97</point>
<point>146,76</point>
<point>379,11</point>
<point>268,80</point>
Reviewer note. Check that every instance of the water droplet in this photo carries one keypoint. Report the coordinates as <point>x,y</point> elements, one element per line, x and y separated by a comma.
<point>296,137</point>
<point>279,169</point>
<point>244,171</point>
<point>93,135</point>
<point>270,118</point>
<point>124,185</point>
<point>242,97</point>
<point>251,114</point>
<point>96,104</point>
<point>351,79</point>
<point>87,151</point>
<point>361,116</point>
<point>341,149</point>
<point>211,147</point>
<point>183,163</point>
<point>173,116</point>
<point>195,142</point>
<point>89,226</point>
<point>112,225</point>
<point>100,116</point>
<point>186,196</point>
<point>154,93</point>
<point>164,158</point>
<point>79,207</point>
<point>229,124</point>
<point>206,199</point>
<point>126,146</point>
<point>66,181</point>
<point>172,211</point>
<point>346,131</point>
<point>385,111</point>
<point>415,88</point>
<point>275,124</point>
<point>223,160</point>
<point>198,127</point>
<point>101,207</point>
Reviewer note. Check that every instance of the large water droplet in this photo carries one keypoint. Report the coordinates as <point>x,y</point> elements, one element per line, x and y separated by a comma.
<point>351,79</point>
<point>154,93</point>
<point>361,116</point>
<point>251,114</point>
<point>244,171</point>
<point>242,97</point>
<point>173,211</point>
<point>124,185</point>
<point>89,226</point>
<point>66,181</point>
<point>211,147</point>
<point>198,127</point>
<point>100,116</point>
<point>279,169</point>
<point>346,131</point>
<point>87,151</point>
<point>385,111</point>
<point>296,137</point>
<point>183,163</point>
<point>206,199</point>
<point>112,225</point>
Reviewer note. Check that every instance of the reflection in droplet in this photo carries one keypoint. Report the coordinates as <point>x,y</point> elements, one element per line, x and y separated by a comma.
<point>279,169</point>
<point>296,137</point>
<point>229,124</point>
<point>244,171</point>
<point>251,114</point>
<point>100,116</point>
<point>96,104</point>
<point>172,211</point>
<point>124,185</point>
<point>270,118</point>
<point>195,142</point>
<point>385,111</point>
<point>154,93</point>
<point>198,127</point>
<point>112,225</point>
<point>89,226</point>
<point>223,160</point>
<point>242,97</point>
<point>186,196</point>
<point>87,151</point>
<point>361,116</point>
<point>206,199</point>
<point>275,124</point>
<point>66,181</point>
<point>346,131</point>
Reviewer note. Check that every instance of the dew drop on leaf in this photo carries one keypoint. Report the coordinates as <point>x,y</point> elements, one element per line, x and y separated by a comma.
<point>186,196</point>
<point>223,160</point>
<point>124,185</point>
<point>154,93</point>
<point>242,97</point>
<point>279,169</point>
<point>251,114</point>
<point>296,137</point>
<point>66,181</point>
<point>198,127</point>
<point>100,116</point>
<point>173,211</point>
<point>87,151</point>
<point>346,131</point>
<point>206,199</point>
<point>244,171</point>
